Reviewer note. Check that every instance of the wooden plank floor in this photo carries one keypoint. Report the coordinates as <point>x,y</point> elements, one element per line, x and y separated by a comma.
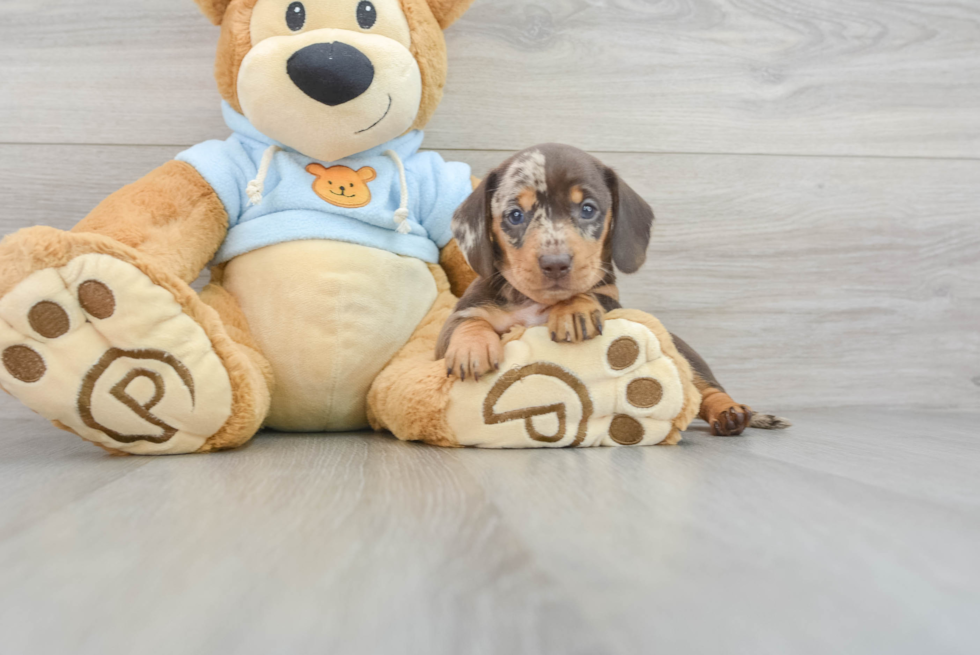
<point>854,532</point>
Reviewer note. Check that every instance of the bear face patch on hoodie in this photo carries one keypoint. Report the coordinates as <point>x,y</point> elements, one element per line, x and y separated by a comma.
<point>274,194</point>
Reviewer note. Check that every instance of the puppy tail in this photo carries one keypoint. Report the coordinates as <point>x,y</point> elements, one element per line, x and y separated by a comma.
<point>769,422</point>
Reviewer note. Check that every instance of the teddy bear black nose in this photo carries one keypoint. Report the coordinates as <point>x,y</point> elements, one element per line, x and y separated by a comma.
<point>331,73</point>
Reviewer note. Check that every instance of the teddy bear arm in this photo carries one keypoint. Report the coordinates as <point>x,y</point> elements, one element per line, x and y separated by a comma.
<point>172,215</point>
<point>460,275</point>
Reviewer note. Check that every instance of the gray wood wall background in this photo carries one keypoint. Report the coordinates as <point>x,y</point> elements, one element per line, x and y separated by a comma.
<point>814,164</point>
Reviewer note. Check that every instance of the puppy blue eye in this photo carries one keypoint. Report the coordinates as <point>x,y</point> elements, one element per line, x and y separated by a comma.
<point>589,211</point>
<point>296,16</point>
<point>367,15</point>
<point>515,217</point>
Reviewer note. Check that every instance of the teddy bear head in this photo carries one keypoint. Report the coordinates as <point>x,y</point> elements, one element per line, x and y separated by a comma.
<point>332,78</point>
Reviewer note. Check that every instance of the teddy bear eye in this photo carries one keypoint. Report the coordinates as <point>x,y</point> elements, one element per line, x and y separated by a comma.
<point>296,16</point>
<point>366,15</point>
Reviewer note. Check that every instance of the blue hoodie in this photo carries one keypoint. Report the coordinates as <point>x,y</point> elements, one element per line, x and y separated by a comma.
<point>300,204</point>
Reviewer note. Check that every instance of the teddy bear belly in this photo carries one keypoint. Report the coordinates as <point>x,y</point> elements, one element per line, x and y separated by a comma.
<point>328,316</point>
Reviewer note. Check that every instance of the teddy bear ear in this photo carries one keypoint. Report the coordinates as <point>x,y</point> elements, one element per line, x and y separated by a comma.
<point>447,11</point>
<point>213,9</point>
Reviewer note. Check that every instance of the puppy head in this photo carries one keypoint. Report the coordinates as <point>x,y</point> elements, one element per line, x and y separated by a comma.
<point>553,220</point>
<point>331,78</point>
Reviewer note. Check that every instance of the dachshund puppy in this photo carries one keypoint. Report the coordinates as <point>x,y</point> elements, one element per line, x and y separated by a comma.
<point>544,232</point>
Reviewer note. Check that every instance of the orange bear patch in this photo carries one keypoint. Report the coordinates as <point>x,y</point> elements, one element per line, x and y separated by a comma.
<point>342,186</point>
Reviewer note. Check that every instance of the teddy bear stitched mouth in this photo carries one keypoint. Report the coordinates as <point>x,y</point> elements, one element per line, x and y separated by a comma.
<point>390,102</point>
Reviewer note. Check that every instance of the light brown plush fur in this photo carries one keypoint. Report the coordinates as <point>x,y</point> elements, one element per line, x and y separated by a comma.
<point>214,10</point>
<point>233,44</point>
<point>410,396</point>
<point>426,20</point>
<point>38,248</point>
<point>447,12</point>
<point>429,48</point>
<point>172,216</point>
<point>457,269</point>
<point>452,260</point>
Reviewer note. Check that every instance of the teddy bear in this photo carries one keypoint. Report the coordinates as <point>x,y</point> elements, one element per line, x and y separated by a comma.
<point>333,269</point>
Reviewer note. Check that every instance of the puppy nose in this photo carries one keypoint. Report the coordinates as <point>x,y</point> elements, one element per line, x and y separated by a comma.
<point>555,266</point>
<point>331,73</point>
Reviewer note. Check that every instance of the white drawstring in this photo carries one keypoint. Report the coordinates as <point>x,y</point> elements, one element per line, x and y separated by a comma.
<point>401,214</point>
<point>256,187</point>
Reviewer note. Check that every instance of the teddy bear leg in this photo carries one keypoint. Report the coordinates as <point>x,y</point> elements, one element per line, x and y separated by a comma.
<point>97,338</point>
<point>410,396</point>
<point>628,387</point>
<point>251,372</point>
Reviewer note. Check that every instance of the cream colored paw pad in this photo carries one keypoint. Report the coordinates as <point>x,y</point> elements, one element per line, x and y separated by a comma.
<point>616,390</point>
<point>99,347</point>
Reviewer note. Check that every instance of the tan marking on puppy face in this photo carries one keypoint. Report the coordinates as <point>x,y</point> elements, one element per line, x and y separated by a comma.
<point>587,255</point>
<point>577,195</point>
<point>526,171</point>
<point>526,199</point>
<point>519,261</point>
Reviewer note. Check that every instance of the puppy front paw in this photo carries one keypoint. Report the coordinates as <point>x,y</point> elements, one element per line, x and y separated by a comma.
<point>575,320</point>
<point>474,350</point>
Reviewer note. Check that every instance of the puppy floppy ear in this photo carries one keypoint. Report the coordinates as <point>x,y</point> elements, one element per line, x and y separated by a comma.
<point>447,11</point>
<point>213,9</point>
<point>632,225</point>
<point>472,224</point>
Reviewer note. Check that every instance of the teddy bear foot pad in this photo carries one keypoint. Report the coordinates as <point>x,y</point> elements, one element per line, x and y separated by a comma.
<point>619,389</point>
<point>98,347</point>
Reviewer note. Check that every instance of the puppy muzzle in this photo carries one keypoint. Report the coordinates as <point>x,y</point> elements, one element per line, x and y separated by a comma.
<point>555,267</point>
